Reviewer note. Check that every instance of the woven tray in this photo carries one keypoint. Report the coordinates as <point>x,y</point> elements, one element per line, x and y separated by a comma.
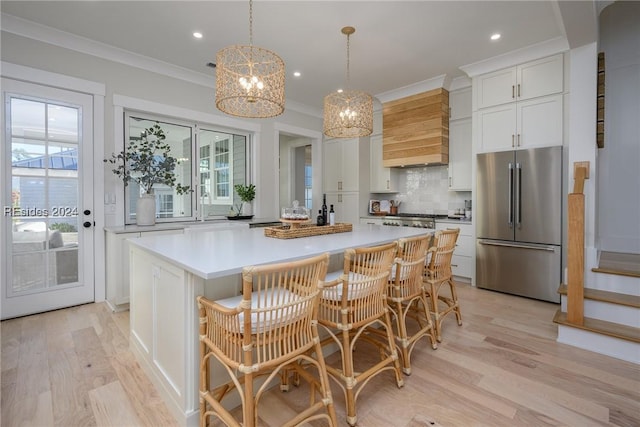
<point>305,230</point>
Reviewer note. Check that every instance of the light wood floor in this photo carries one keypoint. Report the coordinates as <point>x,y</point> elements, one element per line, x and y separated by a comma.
<point>503,367</point>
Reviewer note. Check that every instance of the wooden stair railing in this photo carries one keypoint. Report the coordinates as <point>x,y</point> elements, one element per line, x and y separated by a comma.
<point>575,247</point>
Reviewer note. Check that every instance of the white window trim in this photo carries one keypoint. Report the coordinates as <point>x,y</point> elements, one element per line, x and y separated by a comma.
<point>221,123</point>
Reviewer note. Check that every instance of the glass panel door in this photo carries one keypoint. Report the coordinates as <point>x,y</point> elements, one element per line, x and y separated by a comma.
<point>47,219</point>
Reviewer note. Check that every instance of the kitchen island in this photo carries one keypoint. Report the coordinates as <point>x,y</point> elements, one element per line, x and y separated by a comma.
<point>169,271</point>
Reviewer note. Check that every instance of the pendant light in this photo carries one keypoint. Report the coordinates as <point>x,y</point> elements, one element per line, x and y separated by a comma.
<point>348,113</point>
<point>249,79</point>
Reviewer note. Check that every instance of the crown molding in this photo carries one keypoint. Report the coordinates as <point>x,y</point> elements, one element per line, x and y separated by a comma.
<point>412,89</point>
<point>460,82</point>
<point>42,33</point>
<point>519,56</point>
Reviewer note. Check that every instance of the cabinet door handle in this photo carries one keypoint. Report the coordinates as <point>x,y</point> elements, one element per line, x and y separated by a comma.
<point>449,181</point>
<point>449,112</point>
<point>513,137</point>
<point>454,265</point>
<point>518,90</point>
<point>513,91</point>
<point>388,184</point>
<point>518,140</point>
<point>339,185</point>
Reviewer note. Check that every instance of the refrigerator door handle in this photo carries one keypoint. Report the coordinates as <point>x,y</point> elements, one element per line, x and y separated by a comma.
<point>510,222</point>
<point>520,245</point>
<point>518,195</point>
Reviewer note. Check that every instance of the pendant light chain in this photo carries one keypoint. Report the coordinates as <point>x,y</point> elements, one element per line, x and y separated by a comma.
<point>348,72</point>
<point>250,23</point>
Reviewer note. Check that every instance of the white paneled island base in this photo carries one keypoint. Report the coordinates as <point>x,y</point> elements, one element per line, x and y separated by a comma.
<point>169,271</point>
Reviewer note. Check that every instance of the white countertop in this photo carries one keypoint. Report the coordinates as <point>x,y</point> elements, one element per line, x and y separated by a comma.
<point>212,254</point>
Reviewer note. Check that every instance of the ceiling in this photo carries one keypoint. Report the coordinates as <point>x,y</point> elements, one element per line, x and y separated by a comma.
<point>396,43</point>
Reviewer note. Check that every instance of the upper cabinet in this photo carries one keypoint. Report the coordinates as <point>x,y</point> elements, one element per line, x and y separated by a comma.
<point>381,179</point>
<point>528,124</point>
<point>520,107</point>
<point>460,141</point>
<point>526,81</point>
<point>415,129</point>
<point>460,155</point>
<point>460,104</point>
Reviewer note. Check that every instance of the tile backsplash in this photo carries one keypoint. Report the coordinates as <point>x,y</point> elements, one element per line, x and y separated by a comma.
<point>426,190</point>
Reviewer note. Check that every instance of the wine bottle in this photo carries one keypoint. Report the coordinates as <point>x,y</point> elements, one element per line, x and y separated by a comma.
<point>332,216</point>
<point>320,219</point>
<point>324,209</point>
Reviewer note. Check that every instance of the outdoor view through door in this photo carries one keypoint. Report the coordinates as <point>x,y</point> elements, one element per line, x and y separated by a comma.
<point>47,206</point>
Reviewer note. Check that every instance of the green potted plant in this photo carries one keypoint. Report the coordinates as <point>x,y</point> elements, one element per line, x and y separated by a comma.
<point>148,162</point>
<point>246,193</point>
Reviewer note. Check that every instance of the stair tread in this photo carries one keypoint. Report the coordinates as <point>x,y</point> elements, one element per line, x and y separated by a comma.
<point>616,330</point>
<point>606,296</point>
<point>624,264</point>
<point>616,271</point>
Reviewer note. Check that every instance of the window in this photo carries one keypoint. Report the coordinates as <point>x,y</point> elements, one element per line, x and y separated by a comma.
<point>210,161</point>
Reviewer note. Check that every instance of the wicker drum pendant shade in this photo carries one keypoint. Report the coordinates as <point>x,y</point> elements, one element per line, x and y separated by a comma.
<point>348,113</point>
<point>249,82</point>
<point>249,79</point>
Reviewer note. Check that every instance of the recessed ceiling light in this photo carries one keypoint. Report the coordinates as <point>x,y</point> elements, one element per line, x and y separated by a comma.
<point>339,90</point>
<point>297,74</point>
<point>197,35</point>
<point>495,36</point>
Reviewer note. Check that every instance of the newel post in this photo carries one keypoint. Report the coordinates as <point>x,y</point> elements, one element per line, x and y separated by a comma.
<point>575,247</point>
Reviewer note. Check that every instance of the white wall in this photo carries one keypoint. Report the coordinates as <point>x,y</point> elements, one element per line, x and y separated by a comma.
<point>582,134</point>
<point>160,89</point>
<point>618,182</point>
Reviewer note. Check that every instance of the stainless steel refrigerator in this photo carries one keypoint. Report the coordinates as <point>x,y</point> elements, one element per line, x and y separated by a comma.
<point>519,222</point>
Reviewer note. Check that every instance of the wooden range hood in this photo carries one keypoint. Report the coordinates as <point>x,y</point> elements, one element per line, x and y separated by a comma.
<point>415,130</point>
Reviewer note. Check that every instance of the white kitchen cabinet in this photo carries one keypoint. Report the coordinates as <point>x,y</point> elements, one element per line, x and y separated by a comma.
<point>382,180</point>
<point>460,104</point>
<point>346,206</point>
<point>341,161</point>
<point>520,125</point>
<point>460,155</point>
<point>346,169</point>
<point>462,263</point>
<point>530,80</point>
<point>117,265</point>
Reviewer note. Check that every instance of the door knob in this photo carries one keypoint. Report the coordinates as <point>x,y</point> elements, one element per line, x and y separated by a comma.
<point>86,224</point>
<point>87,212</point>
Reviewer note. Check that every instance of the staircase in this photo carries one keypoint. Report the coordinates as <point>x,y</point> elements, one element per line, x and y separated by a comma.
<point>602,315</point>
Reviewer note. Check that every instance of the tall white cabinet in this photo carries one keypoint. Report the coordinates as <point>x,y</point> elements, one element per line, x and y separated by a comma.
<point>345,174</point>
<point>460,140</point>
<point>520,107</point>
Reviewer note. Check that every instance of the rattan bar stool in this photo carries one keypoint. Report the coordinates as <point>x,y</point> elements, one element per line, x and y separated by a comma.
<point>267,331</point>
<point>351,306</point>
<point>437,273</point>
<point>407,298</point>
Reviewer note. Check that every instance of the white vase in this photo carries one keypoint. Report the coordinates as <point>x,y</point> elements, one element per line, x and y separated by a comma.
<point>247,209</point>
<point>146,210</point>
